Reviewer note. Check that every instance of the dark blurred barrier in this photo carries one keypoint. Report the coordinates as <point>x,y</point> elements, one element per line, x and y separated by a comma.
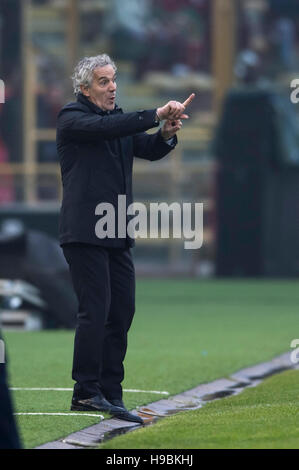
<point>35,257</point>
<point>257,188</point>
<point>43,219</point>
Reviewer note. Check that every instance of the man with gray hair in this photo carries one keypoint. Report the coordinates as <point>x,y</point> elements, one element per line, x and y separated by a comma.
<point>96,143</point>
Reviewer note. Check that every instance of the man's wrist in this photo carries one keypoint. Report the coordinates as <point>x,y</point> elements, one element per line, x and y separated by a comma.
<point>166,138</point>
<point>158,118</point>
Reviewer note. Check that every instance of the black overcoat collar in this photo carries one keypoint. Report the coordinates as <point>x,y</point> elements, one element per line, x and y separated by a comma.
<point>84,100</point>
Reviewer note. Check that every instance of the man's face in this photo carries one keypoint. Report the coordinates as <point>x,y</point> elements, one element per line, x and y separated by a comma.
<point>102,91</point>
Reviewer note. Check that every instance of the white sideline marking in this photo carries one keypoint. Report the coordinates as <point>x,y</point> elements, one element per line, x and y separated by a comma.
<point>60,414</point>
<point>70,390</point>
<point>146,391</point>
<point>42,389</point>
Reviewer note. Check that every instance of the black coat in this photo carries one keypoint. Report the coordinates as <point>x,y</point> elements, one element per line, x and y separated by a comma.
<point>96,150</point>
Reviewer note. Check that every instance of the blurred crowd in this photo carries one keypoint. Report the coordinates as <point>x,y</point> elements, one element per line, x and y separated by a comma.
<point>173,36</point>
<point>176,31</point>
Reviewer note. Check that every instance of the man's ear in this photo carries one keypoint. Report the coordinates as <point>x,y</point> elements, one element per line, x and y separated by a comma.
<point>84,90</point>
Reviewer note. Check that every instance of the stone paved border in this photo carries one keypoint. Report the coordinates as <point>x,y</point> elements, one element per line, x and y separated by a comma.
<point>188,400</point>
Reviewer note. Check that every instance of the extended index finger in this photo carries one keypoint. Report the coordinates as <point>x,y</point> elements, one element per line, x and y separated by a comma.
<point>188,100</point>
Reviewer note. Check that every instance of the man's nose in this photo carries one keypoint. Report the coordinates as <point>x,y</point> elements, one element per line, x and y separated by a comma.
<point>113,86</point>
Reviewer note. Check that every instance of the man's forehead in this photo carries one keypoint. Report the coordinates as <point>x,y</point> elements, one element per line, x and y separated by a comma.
<point>107,71</point>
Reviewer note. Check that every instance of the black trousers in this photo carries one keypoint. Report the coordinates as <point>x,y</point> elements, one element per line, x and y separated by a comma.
<point>104,281</point>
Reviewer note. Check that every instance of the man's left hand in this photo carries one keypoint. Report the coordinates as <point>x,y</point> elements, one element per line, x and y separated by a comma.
<point>170,128</point>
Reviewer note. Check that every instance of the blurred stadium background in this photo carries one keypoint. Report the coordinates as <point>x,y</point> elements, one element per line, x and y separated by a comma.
<point>237,154</point>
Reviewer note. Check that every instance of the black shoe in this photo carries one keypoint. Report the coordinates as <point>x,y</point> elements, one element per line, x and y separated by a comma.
<point>124,414</point>
<point>97,403</point>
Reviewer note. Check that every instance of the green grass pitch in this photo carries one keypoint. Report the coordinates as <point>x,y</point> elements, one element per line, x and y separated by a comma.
<point>185,332</point>
<point>265,417</point>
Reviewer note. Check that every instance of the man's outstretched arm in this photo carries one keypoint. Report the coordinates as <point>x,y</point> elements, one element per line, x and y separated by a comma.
<point>152,146</point>
<point>88,126</point>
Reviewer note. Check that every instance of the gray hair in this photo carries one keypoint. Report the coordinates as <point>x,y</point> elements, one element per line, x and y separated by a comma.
<point>83,73</point>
